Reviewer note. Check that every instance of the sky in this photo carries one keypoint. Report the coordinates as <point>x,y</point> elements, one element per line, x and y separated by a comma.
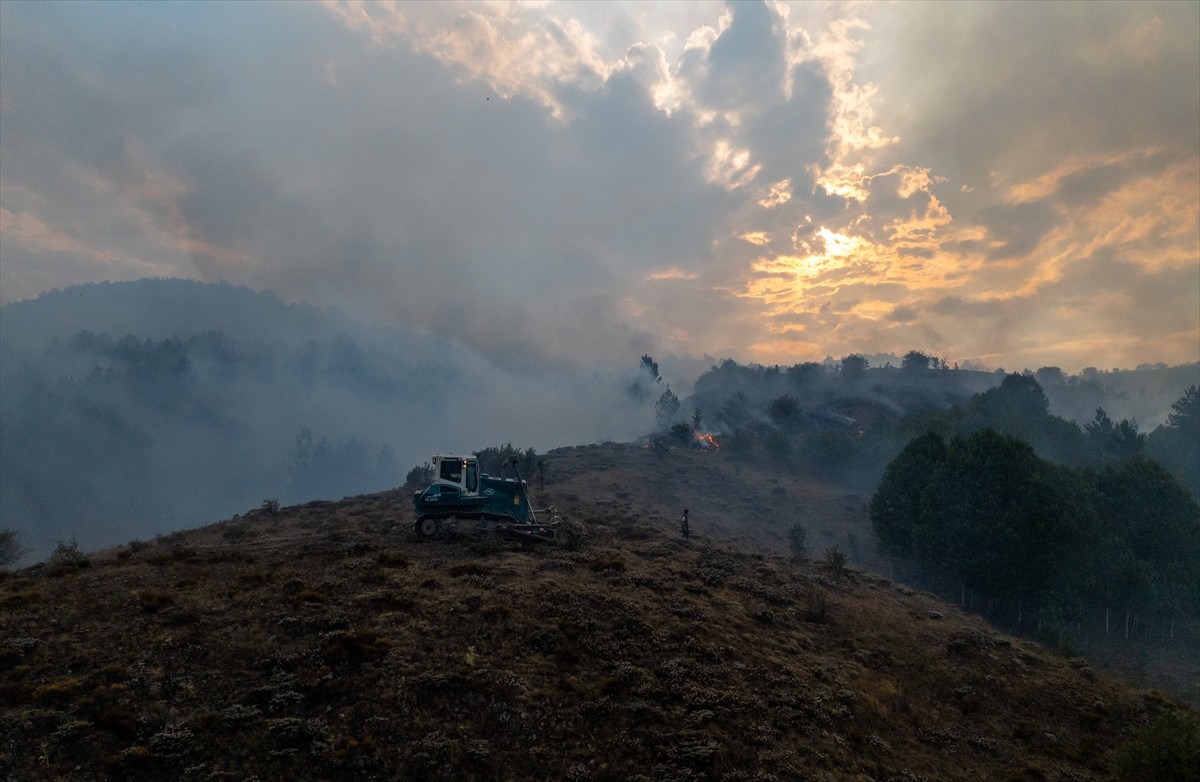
<point>1003,185</point>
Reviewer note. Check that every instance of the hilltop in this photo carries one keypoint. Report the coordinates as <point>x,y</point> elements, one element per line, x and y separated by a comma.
<point>326,639</point>
<point>134,409</point>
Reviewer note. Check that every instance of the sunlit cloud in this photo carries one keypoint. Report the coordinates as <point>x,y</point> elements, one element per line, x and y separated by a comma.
<point>37,236</point>
<point>853,132</point>
<point>812,178</point>
<point>673,273</point>
<point>730,166</point>
<point>381,20</point>
<point>516,49</point>
<point>777,194</point>
<point>758,238</point>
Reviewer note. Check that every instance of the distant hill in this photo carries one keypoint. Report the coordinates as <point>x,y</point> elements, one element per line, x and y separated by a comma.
<point>158,309</point>
<point>132,409</point>
<point>326,640</point>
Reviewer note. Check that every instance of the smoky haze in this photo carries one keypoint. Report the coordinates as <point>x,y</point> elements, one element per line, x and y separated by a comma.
<point>133,409</point>
<point>562,182</point>
<point>130,409</point>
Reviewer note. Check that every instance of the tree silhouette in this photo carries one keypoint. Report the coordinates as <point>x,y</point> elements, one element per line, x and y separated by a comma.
<point>735,410</point>
<point>784,411</point>
<point>650,366</point>
<point>10,550</point>
<point>988,512</point>
<point>896,504</point>
<point>666,408</point>
<point>797,540</point>
<point>1186,413</point>
<point>1176,444</point>
<point>854,367</point>
<point>647,374</point>
<point>915,361</point>
<point>1109,442</point>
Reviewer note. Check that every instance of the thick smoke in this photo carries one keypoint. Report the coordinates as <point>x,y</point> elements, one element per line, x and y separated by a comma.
<point>132,409</point>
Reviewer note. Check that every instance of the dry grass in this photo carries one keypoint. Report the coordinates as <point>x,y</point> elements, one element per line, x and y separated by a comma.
<point>327,641</point>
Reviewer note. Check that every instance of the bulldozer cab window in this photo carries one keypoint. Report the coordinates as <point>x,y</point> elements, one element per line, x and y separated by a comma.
<point>451,471</point>
<point>472,477</point>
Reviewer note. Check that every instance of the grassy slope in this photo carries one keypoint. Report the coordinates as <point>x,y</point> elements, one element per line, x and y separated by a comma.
<point>327,641</point>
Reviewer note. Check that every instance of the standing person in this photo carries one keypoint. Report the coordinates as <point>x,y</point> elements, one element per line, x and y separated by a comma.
<point>683,523</point>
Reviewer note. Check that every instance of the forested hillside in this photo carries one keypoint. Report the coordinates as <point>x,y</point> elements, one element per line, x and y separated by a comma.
<point>1027,536</point>
<point>133,409</point>
<point>848,421</point>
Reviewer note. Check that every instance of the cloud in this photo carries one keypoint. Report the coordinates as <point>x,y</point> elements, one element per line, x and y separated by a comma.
<point>1014,230</point>
<point>689,178</point>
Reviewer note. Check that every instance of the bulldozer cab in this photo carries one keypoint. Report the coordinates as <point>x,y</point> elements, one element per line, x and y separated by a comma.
<point>459,473</point>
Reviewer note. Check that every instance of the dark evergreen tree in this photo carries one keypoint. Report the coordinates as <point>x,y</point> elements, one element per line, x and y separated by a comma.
<point>1109,442</point>
<point>896,504</point>
<point>666,408</point>
<point>735,411</point>
<point>1156,519</point>
<point>854,367</point>
<point>1176,444</point>
<point>915,361</point>
<point>784,411</point>
<point>994,518</point>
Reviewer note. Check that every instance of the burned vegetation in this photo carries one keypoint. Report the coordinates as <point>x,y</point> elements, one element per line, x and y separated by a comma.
<point>329,640</point>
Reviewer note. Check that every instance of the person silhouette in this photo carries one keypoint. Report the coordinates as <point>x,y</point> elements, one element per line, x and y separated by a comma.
<point>683,523</point>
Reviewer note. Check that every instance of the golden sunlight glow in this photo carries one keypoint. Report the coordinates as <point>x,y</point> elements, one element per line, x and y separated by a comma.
<point>777,195</point>
<point>784,346</point>
<point>852,133</point>
<point>731,167</point>
<point>845,181</point>
<point>671,273</point>
<point>913,180</point>
<point>1048,183</point>
<point>920,232</point>
<point>758,238</point>
<point>904,256</point>
<point>838,245</point>
<point>1153,220</point>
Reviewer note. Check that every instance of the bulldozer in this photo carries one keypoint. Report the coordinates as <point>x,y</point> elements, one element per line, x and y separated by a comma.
<point>461,499</point>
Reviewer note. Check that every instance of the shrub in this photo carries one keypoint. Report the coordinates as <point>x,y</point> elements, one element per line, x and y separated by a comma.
<point>1168,749</point>
<point>778,445</point>
<point>739,445</point>
<point>816,606</point>
<point>152,600</point>
<point>57,691</point>
<point>10,549</point>
<point>68,558</point>
<point>798,540</point>
<point>421,475</point>
<point>835,560</point>
<point>681,433</point>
